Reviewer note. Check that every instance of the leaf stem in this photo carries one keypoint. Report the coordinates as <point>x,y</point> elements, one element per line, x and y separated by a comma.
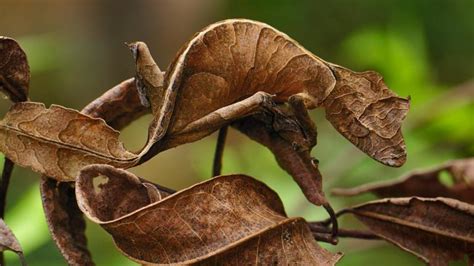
<point>217,164</point>
<point>6,174</point>
<point>321,233</point>
<point>333,219</point>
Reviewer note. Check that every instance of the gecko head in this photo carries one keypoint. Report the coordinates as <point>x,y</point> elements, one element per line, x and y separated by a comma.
<point>365,111</point>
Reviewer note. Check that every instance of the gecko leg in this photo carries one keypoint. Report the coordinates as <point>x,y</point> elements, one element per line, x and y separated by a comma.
<point>301,113</point>
<point>302,116</point>
<point>288,143</point>
<point>216,120</point>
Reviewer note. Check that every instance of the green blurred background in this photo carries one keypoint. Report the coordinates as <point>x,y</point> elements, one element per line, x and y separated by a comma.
<point>423,48</point>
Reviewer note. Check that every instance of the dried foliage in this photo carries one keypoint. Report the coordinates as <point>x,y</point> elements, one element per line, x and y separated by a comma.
<point>254,78</point>
<point>228,216</point>
<point>14,70</point>
<point>118,107</point>
<point>65,221</point>
<point>58,141</point>
<point>437,230</point>
<point>14,82</point>
<point>425,183</point>
<point>8,241</point>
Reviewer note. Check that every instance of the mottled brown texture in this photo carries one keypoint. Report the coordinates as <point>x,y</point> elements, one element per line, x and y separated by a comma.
<point>230,70</point>
<point>14,82</point>
<point>288,243</point>
<point>8,241</point>
<point>425,183</point>
<point>58,142</point>
<point>234,59</point>
<point>259,102</point>
<point>437,230</point>
<point>235,71</point>
<point>227,217</point>
<point>119,106</point>
<point>280,133</point>
<point>149,77</point>
<point>65,221</point>
<point>14,70</point>
<point>367,113</point>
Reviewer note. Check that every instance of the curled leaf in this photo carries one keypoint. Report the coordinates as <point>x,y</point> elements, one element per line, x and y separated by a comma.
<point>435,230</point>
<point>235,217</point>
<point>8,241</point>
<point>58,142</point>
<point>424,183</point>
<point>14,70</point>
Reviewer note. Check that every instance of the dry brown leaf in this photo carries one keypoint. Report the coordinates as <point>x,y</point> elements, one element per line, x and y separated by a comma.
<point>14,82</point>
<point>58,141</point>
<point>437,230</point>
<point>14,70</point>
<point>234,59</point>
<point>233,216</point>
<point>424,183</point>
<point>65,221</point>
<point>118,107</point>
<point>8,241</point>
<point>288,243</point>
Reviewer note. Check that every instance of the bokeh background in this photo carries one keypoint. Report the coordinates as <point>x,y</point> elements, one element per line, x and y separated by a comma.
<point>423,48</point>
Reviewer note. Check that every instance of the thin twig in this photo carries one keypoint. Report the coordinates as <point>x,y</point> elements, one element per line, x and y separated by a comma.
<point>219,153</point>
<point>165,189</point>
<point>161,188</point>
<point>333,219</point>
<point>317,228</point>
<point>6,174</point>
<point>324,238</point>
